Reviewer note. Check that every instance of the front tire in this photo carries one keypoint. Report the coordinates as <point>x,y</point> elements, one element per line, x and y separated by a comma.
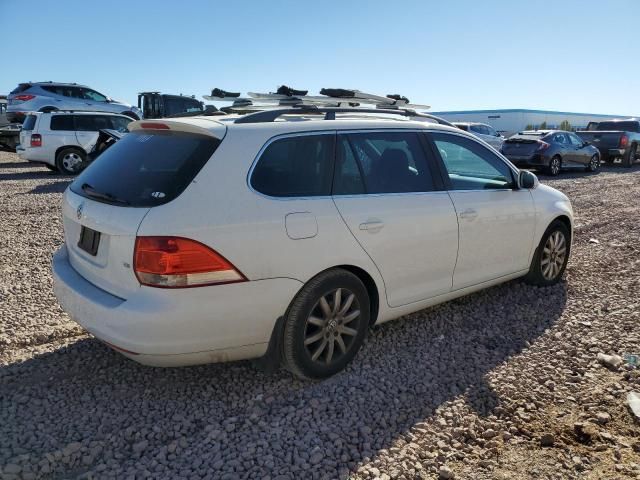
<point>325,325</point>
<point>594,164</point>
<point>70,161</point>
<point>630,157</point>
<point>555,164</point>
<point>551,257</point>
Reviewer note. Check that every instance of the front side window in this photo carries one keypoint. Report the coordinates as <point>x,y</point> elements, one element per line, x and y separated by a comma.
<point>390,162</point>
<point>299,166</point>
<point>88,94</point>
<point>471,166</point>
<point>120,123</point>
<point>575,140</point>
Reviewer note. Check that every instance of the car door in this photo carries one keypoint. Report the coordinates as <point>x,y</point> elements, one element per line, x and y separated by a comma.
<point>581,153</point>
<point>565,149</point>
<point>393,202</point>
<point>87,127</point>
<point>496,219</point>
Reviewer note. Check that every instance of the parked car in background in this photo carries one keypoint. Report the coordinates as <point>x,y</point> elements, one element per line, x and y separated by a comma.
<point>551,151</point>
<point>52,96</point>
<point>615,139</point>
<point>362,219</point>
<point>482,131</point>
<point>61,140</point>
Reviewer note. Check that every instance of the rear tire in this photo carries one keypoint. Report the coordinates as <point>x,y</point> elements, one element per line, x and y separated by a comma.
<point>70,161</point>
<point>594,164</point>
<point>325,325</point>
<point>630,157</point>
<point>551,257</point>
<point>554,167</point>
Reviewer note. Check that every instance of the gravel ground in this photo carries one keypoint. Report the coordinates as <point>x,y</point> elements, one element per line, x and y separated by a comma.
<point>501,384</point>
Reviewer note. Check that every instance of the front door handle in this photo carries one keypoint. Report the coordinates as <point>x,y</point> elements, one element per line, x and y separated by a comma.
<point>468,214</point>
<point>372,226</point>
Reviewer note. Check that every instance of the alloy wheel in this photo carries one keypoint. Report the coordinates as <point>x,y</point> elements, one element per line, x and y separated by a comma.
<point>554,167</point>
<point>554,255</point>
<point>71,162</point>
<point>332,326</point>
<point>594,163</point>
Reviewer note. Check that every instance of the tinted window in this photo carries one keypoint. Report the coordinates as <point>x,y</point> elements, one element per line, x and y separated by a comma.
<point>348,177</point>
<point>575,140</point>
<point>29,122</point>
<point>21,88</point>
<point>120,123</point>
<point>623,126</point>
<point>62,122</point>
<point>300,166</point>
<point>64,90</point>
<point>471,166</point>
<point>391,162</point>
<point>145,169</point>
<point>92,123</point>
<point>560,138</point>
<point>88,94</point>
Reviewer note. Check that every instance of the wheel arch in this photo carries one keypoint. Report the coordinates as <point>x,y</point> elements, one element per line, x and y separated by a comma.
<point>370,285</point>
<point>73,147</point>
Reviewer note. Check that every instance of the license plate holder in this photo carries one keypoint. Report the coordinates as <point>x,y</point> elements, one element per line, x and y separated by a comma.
<point>89,240</point>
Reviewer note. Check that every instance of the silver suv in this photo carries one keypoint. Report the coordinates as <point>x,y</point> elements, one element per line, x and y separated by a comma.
<point>52,96</point>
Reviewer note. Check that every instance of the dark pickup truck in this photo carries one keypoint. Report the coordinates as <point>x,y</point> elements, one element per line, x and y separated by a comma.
<point>615,139</point>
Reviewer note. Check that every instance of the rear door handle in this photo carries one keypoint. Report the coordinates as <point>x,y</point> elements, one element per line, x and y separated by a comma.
<point>372,226</point>
<point>468,214</point>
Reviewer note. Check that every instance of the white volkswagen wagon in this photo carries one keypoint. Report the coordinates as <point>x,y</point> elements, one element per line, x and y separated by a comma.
<point>286,236</point>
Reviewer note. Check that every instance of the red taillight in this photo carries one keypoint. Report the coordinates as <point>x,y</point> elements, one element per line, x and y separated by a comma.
<point>542,146</point>
<point>36,140</point>
<point>174,262</point>
<point>24,98</point>
<point>155,126</point>
<point>624,141</point>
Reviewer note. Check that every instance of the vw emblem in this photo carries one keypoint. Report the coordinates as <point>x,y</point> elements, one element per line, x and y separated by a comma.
<point>79,210</point>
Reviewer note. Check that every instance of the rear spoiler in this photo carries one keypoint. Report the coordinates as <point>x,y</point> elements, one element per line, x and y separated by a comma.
<point>196,126</point>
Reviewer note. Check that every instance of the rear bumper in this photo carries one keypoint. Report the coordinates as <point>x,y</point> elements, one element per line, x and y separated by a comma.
<point>616,152</point>
<point>35,155</point>
<point>176,327</point>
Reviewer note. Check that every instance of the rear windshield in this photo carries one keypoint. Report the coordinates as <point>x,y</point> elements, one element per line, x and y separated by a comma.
<point>145,169</point>
<point>21,88</point>
<point>29,122</point>
<point>621,126</point>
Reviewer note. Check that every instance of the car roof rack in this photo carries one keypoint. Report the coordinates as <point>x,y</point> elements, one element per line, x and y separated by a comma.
<point>272,115</point>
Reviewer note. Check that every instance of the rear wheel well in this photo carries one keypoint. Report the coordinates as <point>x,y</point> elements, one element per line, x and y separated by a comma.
<point>370,285</point>
<point>70,147</point>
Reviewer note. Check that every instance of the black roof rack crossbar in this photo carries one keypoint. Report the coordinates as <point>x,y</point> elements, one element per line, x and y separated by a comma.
<point>330,113</point>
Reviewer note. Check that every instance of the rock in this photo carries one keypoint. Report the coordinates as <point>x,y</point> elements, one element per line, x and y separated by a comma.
<point>140,446</point>
<point>547,440</point>
<point>12,469</point>
<point>585,432</point>
<point>603,418</point>
<point>610,361</point>
<point>445,473</point>
<point>633,400</point>
<point>489,433</point>
<point>316,458</point>
<point>593,240</point>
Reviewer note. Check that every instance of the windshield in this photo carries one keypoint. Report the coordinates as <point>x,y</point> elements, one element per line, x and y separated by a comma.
<point>145,169</point>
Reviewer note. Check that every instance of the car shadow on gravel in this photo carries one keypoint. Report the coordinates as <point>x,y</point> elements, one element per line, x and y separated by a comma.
<point>15,164</point>
<point>39,174</point>
<point>233,418</point>
<point>57,187</point>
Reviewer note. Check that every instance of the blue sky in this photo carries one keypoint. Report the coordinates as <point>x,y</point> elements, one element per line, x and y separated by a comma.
<point>570,55</point>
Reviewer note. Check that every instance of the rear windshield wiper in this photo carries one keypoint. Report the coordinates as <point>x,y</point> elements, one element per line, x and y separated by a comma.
<point>93,193</point>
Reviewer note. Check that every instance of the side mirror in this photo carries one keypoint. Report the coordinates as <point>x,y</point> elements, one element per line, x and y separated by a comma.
<point>527,180</point>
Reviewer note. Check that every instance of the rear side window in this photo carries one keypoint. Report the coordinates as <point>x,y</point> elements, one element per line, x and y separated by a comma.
<point>145,169</point>
<point>62,122</point>
<point>621,126</point>
<point>300,166</point>
<point>92,123</point>
<point>387,162</point>
<point>29,122</point>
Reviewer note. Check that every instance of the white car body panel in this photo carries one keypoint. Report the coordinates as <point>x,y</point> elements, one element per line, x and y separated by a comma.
<point>423,255</point>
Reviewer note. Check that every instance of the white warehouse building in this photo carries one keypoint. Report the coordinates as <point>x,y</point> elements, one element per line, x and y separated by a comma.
<point>510,121</point>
